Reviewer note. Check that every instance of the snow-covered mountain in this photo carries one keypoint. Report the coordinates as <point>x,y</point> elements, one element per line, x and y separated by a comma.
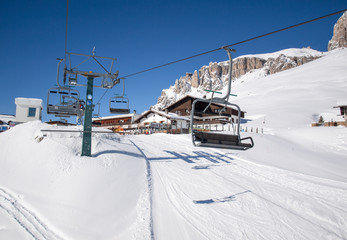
<point>214,76</point>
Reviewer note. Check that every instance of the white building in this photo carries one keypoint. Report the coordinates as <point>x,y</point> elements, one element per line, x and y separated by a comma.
<point>28,109</point>
<point>155,121</point>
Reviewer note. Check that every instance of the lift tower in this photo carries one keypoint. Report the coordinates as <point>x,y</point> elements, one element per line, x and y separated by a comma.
<point>108,80</point>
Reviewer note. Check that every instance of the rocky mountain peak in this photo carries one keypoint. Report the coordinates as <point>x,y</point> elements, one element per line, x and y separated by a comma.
<point>339,38</point>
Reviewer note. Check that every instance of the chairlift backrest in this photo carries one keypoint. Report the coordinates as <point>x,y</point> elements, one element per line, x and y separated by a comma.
<point>119,104</point>
<point>63,101</point>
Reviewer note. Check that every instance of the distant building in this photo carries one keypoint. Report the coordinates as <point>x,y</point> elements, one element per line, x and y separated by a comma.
<point>122,122</point>
<point>28,109</point>
<point>5,118</point>
<point>158,121</point>
<point>343,111</point>
<point>340,120</point>
<point>6,121</point>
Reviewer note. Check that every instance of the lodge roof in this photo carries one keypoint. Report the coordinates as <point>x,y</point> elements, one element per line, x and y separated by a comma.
<point>172,116</point>
<point>188,97</point>
<point>116,116</point>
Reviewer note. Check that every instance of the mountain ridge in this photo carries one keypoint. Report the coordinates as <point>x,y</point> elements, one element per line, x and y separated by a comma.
<point>214,76</point>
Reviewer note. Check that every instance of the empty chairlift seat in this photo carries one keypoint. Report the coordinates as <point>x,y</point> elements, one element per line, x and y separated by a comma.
<point>119,105</point>
<point>209,139</point>
<point>63,102</point>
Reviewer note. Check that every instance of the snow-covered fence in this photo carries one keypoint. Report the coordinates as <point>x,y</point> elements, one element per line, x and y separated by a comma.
<point>229,128</point>
<point>258,130</point>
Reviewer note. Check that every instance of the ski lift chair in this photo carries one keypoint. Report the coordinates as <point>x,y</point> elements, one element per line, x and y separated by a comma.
<point>119,105</point>
<point>66,102</point>
<point>203,107</point>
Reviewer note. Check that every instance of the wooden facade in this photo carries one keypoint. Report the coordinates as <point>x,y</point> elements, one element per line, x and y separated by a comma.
<point>183,107</point>
<point>122,122</point>
<point>115,121</point>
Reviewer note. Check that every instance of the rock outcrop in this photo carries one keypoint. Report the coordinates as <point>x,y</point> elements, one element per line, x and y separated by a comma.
<point>184,83</point>
<point>339,38</point>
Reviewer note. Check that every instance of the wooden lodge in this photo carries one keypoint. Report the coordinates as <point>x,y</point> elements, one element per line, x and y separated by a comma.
<point>117,123</point>
<point>343,112</point>
<point>210,117</point>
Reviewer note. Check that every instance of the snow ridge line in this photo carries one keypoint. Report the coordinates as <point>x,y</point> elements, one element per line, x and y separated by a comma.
<point>150,188</point>
<point>25,218</point>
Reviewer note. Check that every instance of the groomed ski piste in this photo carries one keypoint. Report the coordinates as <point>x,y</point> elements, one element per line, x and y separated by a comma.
<point>291,185</point>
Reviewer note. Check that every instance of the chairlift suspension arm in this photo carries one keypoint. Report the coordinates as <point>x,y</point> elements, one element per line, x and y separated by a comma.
<point>123,87</point>
<point>224,99</point>
<point>230,68</point>
<point>60,60</point>
<point>209,104</point>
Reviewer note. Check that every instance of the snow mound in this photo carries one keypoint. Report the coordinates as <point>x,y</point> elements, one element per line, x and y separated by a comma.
<point>75,197</point>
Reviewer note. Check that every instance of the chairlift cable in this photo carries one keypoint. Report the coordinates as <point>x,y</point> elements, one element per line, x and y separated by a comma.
<point>230,45</point>
<point>109,89</point>
<point>237,43</point>
<point>67,15</point>
<point>103,95</point>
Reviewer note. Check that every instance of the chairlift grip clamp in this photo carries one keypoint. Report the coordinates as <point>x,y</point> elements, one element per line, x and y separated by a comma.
<point>228,49</point>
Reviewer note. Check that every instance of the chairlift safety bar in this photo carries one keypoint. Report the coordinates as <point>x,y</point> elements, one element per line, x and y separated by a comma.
<point>206,90</point>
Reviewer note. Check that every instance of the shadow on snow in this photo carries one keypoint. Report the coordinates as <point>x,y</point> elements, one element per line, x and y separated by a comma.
<point>220,200</point>
<point>195,157</point>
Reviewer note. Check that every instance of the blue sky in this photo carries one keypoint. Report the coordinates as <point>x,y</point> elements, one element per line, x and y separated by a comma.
<point>141,35</point>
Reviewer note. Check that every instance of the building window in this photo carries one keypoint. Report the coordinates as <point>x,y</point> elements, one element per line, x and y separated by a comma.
<point>31,112</point>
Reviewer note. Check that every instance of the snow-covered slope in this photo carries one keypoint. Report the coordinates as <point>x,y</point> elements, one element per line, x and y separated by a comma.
<point>291,185</point>
<point>295,97</point>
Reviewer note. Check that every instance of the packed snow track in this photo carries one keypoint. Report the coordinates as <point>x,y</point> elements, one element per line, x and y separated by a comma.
<point>201,193</point>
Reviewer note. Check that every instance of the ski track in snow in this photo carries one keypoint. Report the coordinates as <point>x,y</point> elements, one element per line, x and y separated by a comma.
<point>259,192</point>
<point>150,188</point>
<point>25,218</point>
<point>311,207</point>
